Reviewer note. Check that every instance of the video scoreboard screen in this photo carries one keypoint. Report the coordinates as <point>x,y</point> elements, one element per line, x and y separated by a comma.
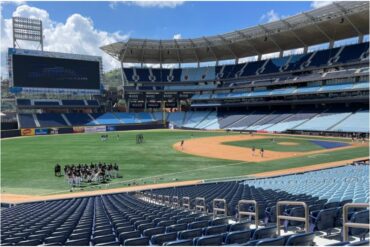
<point>32,71</point>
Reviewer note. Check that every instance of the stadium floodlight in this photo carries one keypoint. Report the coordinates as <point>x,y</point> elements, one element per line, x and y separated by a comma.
<point>27,29</point>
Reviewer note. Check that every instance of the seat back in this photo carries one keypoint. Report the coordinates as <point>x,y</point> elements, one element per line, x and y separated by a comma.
<point>296,212</point>
<point>239,226</point>
<point>271,242</point>
<point>302,239</point>
<point>153,231</point>
<point>137,241</point>
<point>159,239</point>
<point>176,228</point>
<point>238,237</point>
<point>219,221</point>
<point>127,235</point>
<point>326,219</point>
<point>186,242</point>
<point>187,234</point>
<point>267,232</point>
<point>198,224</point>
<point>212,230</point>
<point>212,240</point>
<point>359,217</point>
<point>166,223</point>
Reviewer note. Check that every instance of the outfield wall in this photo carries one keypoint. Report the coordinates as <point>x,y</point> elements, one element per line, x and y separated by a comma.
<point>81,129</point>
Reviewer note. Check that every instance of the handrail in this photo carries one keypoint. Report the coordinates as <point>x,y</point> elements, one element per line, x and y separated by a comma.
<point>198,206</point>
<point>255,213</point>
<point>166,200</point>
<point>175,201</point>
<point>217,209</point>
<point>159,198</point>
<point>186,202</point>
<point>154,198</point>
<point>304,219</point>
<point>347,224</point>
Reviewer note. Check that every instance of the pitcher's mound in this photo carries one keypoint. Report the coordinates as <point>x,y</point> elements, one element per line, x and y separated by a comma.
<point>288,143</point>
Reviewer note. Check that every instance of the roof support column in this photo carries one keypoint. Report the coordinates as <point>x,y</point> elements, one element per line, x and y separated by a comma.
<point>331,44</point>
<point>123,76</point>
<point>361,38</point>
<point>259,57</point>
<point>305,49</point>
<point>281,53</point>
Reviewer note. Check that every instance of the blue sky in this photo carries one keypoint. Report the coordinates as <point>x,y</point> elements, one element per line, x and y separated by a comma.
<point>83,27</point>
<point>190,19</point>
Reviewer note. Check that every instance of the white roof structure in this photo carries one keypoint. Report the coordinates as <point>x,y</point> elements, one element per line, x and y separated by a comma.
<point>336,21</point>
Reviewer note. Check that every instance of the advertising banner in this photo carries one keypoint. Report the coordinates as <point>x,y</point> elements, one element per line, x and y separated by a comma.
<point>184,95</point>
<point>136,105</point>
<point>94,129</point>
<point>169,96</point>
<point>135,96</point>
<point>78,129</point>
<point>170,104</point>
<point>153,104</point>
<point>153,96</point>
<point>41,131</point>
<point>111,128</point>
<point>27,132</point>
<point>54,131</point>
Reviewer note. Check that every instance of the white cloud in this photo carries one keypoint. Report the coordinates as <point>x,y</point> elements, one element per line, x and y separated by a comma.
<point>177,36</point>
<point>76,35</point>
<point>270,16</point>
<point>159,4</point>
<point>319,4</point>
<point>148,4</point>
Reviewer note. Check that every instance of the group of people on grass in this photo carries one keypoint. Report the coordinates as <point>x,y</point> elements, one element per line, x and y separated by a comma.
<point>75,175</point>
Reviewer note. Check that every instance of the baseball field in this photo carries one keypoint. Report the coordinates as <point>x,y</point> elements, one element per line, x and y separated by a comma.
<point>27,165</point>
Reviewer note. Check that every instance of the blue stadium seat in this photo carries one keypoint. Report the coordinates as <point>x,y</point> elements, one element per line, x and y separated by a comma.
<point>186,242</point>
<point>303,239</point>
<point>323,220</point>
<point>279,241</point>
<point>238,237</point>
<point>127,235</point>
<point>153,231</point>
<point>159,239</point>
<point>208,240</point>
<point>176,227</point>
<point>187,234</point>
<point>267,232</point>
<point>213,230</point>
<point>137,241</point>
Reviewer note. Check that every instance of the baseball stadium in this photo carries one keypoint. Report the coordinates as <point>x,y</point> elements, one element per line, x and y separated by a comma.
<point>272,150</point>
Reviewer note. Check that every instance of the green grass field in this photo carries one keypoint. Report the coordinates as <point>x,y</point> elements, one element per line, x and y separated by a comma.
<point>27,165</point>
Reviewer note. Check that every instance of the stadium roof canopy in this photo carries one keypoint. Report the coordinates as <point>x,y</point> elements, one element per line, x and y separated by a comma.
<point>339,20</point>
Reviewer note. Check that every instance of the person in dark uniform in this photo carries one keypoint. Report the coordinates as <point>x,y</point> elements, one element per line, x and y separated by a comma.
<point>253,150</point>
<point>115,168</point>
<point>57,170</point>
<point>182,145</point>
<point>261,152</point>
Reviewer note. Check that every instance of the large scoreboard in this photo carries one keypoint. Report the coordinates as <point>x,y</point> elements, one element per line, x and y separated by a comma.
<point>50,70</point>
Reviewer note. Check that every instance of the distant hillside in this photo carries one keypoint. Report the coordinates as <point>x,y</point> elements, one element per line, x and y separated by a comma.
<point>112,78</point>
